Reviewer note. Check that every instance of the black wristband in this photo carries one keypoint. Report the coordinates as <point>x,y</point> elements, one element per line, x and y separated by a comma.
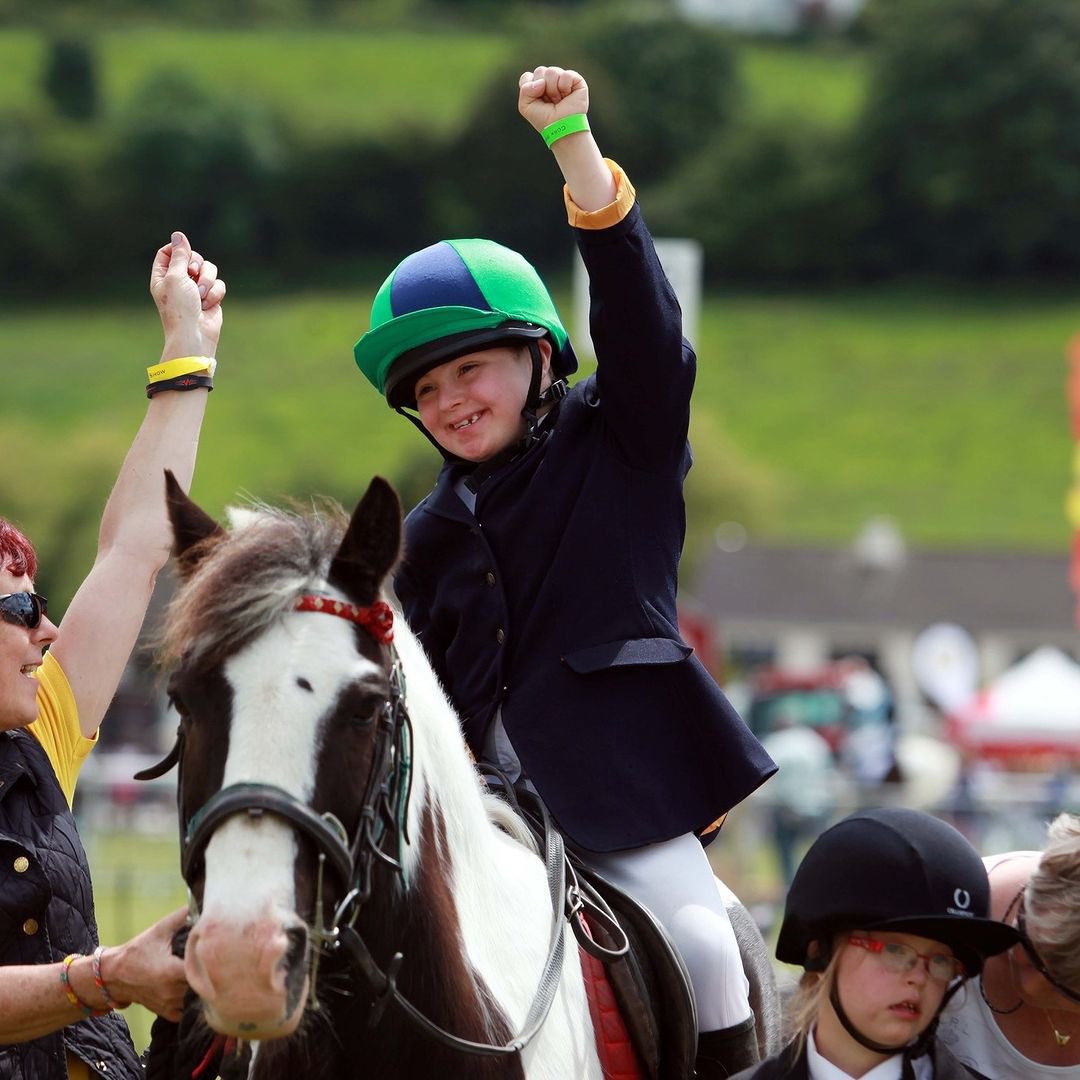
<point>180,382</point>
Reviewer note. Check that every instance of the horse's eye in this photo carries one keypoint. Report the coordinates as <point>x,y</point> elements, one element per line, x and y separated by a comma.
<point>363,708</point>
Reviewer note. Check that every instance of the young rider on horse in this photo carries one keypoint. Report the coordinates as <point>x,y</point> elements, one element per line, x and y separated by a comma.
<point>540,574</point>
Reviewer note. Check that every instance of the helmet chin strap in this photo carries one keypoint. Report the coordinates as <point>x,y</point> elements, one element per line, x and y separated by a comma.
<point>535,400</point>
<point>855,1033</point>
<point>419,425</point>
<point>910,1050</point>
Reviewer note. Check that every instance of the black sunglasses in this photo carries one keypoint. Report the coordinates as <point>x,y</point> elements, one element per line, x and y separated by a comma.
<point>23,609</point>
<point>1036,959</point>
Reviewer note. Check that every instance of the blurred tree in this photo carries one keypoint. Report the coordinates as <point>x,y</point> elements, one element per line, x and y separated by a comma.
<point>80,471</point>
<point>669,85</point>
<point>495,178</point>
<point>182,157</point>
<point>659,86</point>
<point>48,201</point>
<point>347,197</point>
<point>772,200</point>
<point>70,78</point>
<point>969,137</point>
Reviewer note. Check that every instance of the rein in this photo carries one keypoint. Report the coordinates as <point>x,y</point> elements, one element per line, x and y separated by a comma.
<point>385,987</point>
<point>382,821</point>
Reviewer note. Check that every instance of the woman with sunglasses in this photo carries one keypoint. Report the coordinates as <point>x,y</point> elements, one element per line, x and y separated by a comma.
<point>1023,1020</point>
<point>888,915</point>
<point>58,988</point>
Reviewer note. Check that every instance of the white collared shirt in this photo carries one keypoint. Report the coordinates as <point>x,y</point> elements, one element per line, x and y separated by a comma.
<point>890,1069</point>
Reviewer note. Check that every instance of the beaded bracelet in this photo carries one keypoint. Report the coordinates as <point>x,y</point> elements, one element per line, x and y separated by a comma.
<point>180,382</point>
<point>99,982</point>
<point>69,991</point>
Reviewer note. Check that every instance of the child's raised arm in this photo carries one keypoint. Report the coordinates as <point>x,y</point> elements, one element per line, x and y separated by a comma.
<point>550,96</point>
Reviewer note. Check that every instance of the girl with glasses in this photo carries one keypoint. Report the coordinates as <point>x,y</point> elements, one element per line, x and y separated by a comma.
<point>1024,1021</point>
<point>888,915</point>
<point>58,987</point>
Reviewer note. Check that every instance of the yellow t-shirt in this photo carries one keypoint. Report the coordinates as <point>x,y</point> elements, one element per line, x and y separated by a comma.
<point>57,726</point>
<point>57,729</point>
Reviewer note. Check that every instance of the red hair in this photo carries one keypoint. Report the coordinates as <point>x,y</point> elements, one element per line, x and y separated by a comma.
<point>17,555</point>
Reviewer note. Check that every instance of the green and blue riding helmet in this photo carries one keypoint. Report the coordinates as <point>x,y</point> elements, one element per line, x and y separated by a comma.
<point>457,297</point>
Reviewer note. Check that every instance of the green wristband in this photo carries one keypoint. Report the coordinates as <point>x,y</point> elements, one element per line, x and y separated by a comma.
<point>568,125</point>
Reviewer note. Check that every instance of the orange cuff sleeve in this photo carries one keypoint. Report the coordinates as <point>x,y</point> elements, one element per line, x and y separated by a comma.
<point>606,216</point>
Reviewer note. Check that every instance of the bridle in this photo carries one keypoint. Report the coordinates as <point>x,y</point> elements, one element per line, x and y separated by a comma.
<point>379,834</point>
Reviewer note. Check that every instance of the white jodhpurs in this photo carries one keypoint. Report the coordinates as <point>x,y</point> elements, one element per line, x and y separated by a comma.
<point>674,880</point>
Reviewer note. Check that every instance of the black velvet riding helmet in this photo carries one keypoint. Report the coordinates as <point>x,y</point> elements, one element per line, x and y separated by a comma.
<point>892,869</point>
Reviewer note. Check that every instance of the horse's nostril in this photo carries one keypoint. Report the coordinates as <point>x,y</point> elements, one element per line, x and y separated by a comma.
<point>295,966</point>
<point>297,947</point>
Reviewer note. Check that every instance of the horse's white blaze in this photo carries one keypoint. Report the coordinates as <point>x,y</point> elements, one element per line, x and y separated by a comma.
<point>274,738</point>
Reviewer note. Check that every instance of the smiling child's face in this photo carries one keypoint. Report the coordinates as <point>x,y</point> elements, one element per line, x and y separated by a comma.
<point>472,405</point>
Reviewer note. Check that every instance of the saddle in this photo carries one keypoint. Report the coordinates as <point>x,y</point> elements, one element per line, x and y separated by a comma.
<point>638,986</point>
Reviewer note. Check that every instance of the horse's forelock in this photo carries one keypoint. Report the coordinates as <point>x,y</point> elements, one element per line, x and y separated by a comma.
<point>239,517</point>
<point>252,576</point>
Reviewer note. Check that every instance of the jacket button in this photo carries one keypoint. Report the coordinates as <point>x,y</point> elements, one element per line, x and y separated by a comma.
<point>30,926</point>
<point>21,864</point>
<point>489,577</point>
<point>500,637</point>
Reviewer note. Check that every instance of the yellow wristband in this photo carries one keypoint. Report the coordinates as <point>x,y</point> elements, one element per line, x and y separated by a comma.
<point>184,365</point>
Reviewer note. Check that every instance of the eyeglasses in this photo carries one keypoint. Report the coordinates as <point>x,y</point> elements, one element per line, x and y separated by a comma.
<point>899,958</point>
<point>23,609</point>
<point>1037,960</point>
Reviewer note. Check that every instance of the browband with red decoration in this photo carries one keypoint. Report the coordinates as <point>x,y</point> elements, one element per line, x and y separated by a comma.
<point>377,619</point>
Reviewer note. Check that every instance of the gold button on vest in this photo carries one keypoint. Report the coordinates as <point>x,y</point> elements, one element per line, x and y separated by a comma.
<point>21,864</point>
<point>30,926</point>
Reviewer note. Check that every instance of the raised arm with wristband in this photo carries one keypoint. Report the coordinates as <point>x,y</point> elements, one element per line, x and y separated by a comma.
<point>59,987</point>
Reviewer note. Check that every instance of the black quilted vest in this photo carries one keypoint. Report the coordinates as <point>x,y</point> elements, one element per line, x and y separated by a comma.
<point>47,912</point>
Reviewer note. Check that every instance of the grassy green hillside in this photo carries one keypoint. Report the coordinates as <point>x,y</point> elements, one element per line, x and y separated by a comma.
<point>944,409</point>
<point>939,406</point>
<point>323,80</point>
<point>370,80</point>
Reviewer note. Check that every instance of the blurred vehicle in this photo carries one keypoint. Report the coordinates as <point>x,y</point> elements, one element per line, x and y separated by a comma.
<point>836,699</point>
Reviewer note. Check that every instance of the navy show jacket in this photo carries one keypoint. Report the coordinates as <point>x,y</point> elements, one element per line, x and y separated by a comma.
<point>555,600</point>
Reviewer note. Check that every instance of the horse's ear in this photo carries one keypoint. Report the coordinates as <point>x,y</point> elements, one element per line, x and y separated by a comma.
<point>191,525</point>
<point>372,542</point>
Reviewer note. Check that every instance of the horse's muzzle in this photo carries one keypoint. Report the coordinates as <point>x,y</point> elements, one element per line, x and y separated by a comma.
<point>251,977</point>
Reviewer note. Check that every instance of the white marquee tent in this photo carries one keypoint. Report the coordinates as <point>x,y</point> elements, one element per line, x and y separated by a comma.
<point>1031,709</point>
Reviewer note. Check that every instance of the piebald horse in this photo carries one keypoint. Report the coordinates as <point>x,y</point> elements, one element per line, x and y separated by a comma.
<point>360,904</point>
